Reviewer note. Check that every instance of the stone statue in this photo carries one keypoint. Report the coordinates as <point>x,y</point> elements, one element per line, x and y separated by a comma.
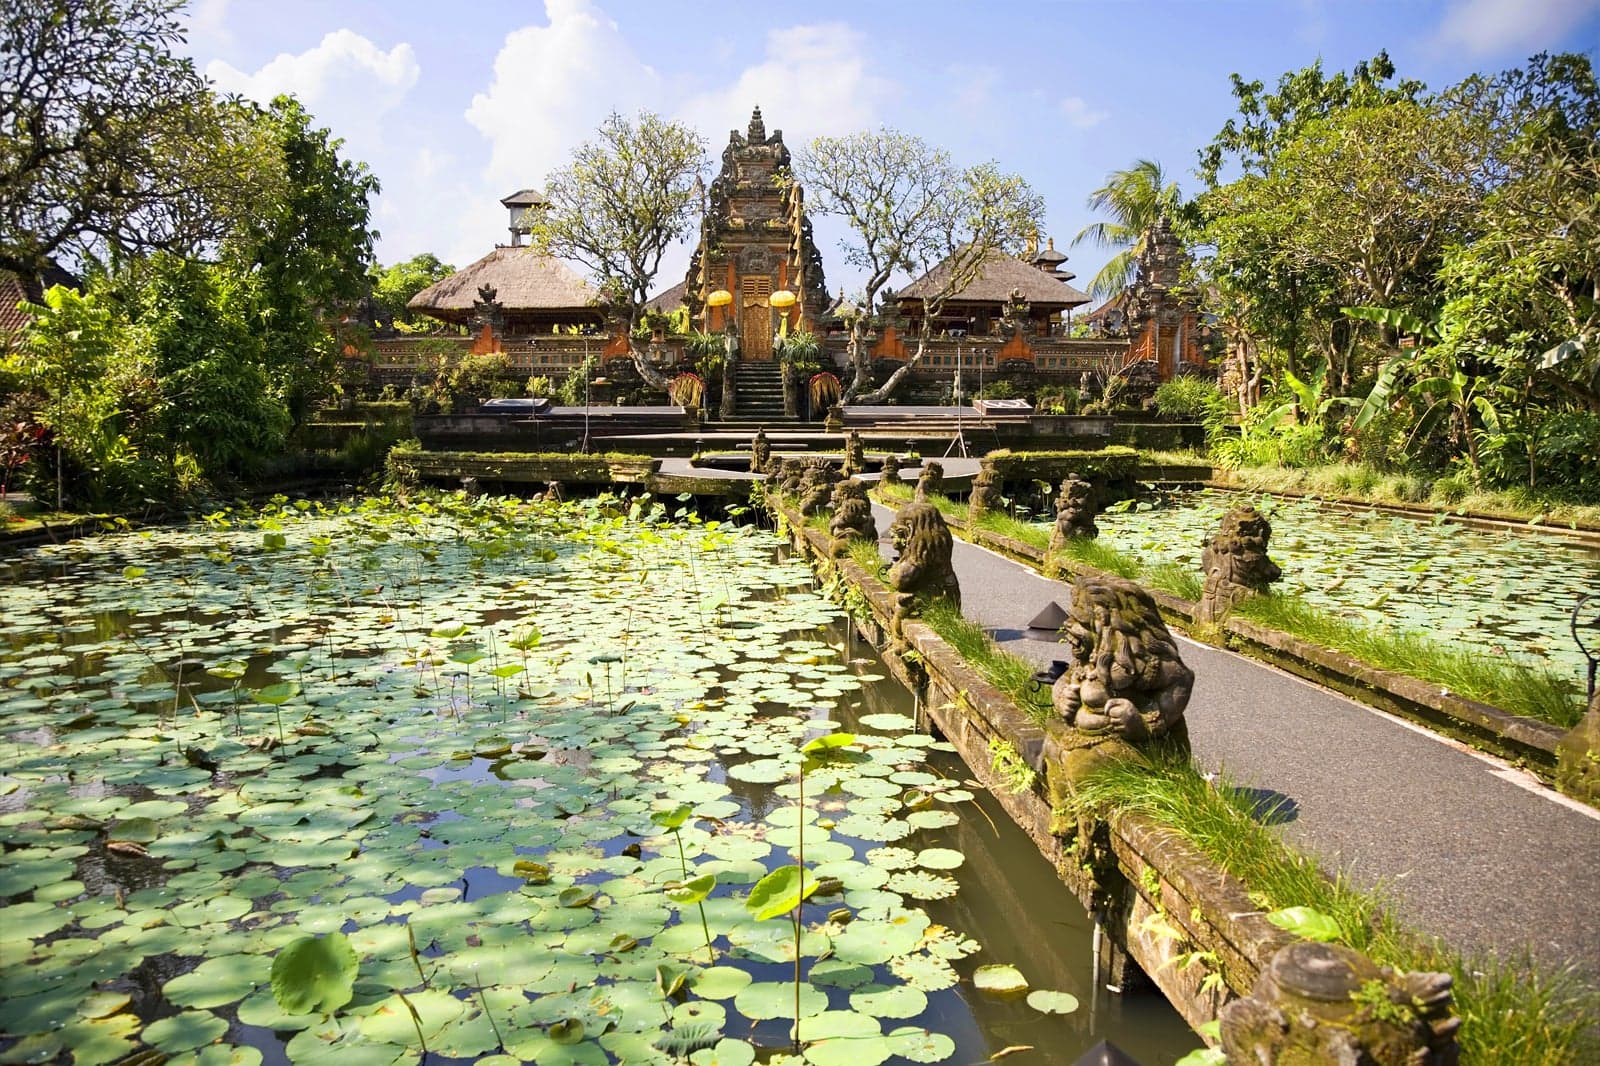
<point>852,516</point>
<point>1125,678</point>
<point>760,453</point>
<point>891,471</point>
<point>790,473</point>
<point>1124,687</point>
<point>1235,563</point>
<point>1578,757</point>
<point>985,492</point>
<point>931,481</point>
<point>1075,511</point>
<point>855,454</point>
<point>923,570</point>
<point>487,294</point>
<point>816,487</point>
<point>1330,1003</point>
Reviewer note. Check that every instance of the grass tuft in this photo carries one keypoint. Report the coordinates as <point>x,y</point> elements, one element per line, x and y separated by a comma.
<point>1508,683</point>
<point>1512,1011</point>
<point>1006,672</point>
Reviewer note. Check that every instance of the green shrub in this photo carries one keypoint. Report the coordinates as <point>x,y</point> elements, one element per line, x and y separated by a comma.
<point>1188,399</point>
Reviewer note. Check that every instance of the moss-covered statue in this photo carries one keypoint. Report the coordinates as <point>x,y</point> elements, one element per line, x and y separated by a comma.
<point>816,487</point>
<point>1329,1003</point>
<point>760,452</point>
<point>852,517</point>
<point>1075,511</point>
<point>923,571</point>
<point>891,471</point>
<point>855,454</point>
<point>1235,563</point>
<point>1578,757</point>
<point>1124,686</point>
<point>985,492</point>
<point>931,481</point>
<point>790,474</point>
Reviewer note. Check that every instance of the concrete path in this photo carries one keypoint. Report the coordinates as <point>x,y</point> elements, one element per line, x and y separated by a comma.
<point>1469,848</point>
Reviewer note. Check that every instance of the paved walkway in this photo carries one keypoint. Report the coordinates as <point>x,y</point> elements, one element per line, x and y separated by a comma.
<point>1469,848</point>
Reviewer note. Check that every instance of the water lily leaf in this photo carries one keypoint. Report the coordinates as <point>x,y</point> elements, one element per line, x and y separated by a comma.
<point>691,891</point>
<point>1000,979</point>
<point>925,972</point>
<point>566,1031</point>
<point>776,999</point>
<point>314,973</point>
<point>216,982</point>
<point>900,1001</point>
<point>1307,923</point>
<point>921,1045</point>
<point>276,694</point>
<point>576,897</point>
<point>392,1021</point>
<point>1046,1002</point>
<point>725,1052</point>
<point>919,884</point>
<point>673,819</point>
<point>723,982</point>
<point>780,892</point>
<point>183,1032</point>
<point>940,858</point>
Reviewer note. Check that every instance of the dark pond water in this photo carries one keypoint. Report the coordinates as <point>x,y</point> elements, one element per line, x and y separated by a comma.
<point>440,731</point>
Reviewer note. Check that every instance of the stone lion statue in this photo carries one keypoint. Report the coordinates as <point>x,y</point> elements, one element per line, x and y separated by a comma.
<point>931,481</point>
<point>855,453</point>
<point>985,491</point>
<point>923,571</point>
<point>816,487</point>
<point>852,516</point>
<point>891,471</point>
<point>1235,563</point>
<point>760,452</point>
<point>1124,686</point>
<point>1125,677</point>
<point>1075,511</point>
<point>790,473</point>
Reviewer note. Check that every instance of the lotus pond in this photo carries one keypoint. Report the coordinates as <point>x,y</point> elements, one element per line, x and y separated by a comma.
<point>393,782</point>
<point>1509,594</point>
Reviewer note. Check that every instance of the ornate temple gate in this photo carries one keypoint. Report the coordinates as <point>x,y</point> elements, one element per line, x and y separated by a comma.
<point>755,319</point>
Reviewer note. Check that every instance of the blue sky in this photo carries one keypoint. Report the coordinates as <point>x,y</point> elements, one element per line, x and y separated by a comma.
<point>455,105</point>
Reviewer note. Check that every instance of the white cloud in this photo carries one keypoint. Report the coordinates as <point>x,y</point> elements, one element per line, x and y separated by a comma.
<point>1078,113</point>
<point>813,79</point>
<point>553,86</point>
<point>1485,27</point>
<point>208,26</point>
<point>346,82</point>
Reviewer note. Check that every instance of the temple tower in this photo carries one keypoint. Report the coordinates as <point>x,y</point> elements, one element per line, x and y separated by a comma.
<point>755,240</point>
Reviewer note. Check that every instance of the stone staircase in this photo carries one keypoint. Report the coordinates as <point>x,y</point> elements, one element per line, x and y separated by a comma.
<point>759,392</point>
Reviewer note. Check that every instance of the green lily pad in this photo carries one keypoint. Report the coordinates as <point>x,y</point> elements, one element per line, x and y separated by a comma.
<point>184,1032</point>
<point>314,973</point>
<point>1000,979</point>
<point>1046,1002</point>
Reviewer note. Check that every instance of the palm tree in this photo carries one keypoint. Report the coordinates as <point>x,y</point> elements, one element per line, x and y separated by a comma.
<point>1135,198</point>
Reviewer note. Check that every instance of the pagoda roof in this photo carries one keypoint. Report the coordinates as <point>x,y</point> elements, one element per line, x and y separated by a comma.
<point>524,280</point>
<point>524,198</point>
<point>1000,276</point>
<point>669,300</point>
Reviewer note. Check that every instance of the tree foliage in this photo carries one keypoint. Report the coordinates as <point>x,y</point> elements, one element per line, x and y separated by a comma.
<point>108,141</point>
<point>394,286</point>
<point>911,207</point>
<point>624,198</point>
<point>1135,198</point>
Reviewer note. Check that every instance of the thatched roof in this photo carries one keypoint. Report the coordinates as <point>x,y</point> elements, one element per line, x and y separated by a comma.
<point>1001,275</point>
<point>524,280</point>
<point>669,300</point>
<point>525,198</point>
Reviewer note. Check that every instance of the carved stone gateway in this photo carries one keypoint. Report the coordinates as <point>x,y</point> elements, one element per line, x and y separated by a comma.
<point>1235,563</point>
<point>1075,512</point>
<point>931,480</point>
<point>1318,1003</point>
<point>852,517</point>
<point>923,571</point>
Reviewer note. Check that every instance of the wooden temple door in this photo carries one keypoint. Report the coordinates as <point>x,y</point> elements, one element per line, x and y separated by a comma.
<point>755,319</point>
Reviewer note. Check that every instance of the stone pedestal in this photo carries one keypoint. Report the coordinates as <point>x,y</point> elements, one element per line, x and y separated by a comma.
<point>1327,1003</point>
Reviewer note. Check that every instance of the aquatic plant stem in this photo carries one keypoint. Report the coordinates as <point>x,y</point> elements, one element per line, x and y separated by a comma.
<point>800,861</point>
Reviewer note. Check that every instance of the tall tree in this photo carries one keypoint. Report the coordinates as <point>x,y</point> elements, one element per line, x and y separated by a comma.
<point>911,207</point>
<point>309,247</point>
<point>394,286</point>
<point>1134,198</point>
<point>109,141</point>
<point>619,204</point>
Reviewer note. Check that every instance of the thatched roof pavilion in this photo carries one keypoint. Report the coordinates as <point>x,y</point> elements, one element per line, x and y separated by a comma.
<point>982,301</point>
<point>535,292</point>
